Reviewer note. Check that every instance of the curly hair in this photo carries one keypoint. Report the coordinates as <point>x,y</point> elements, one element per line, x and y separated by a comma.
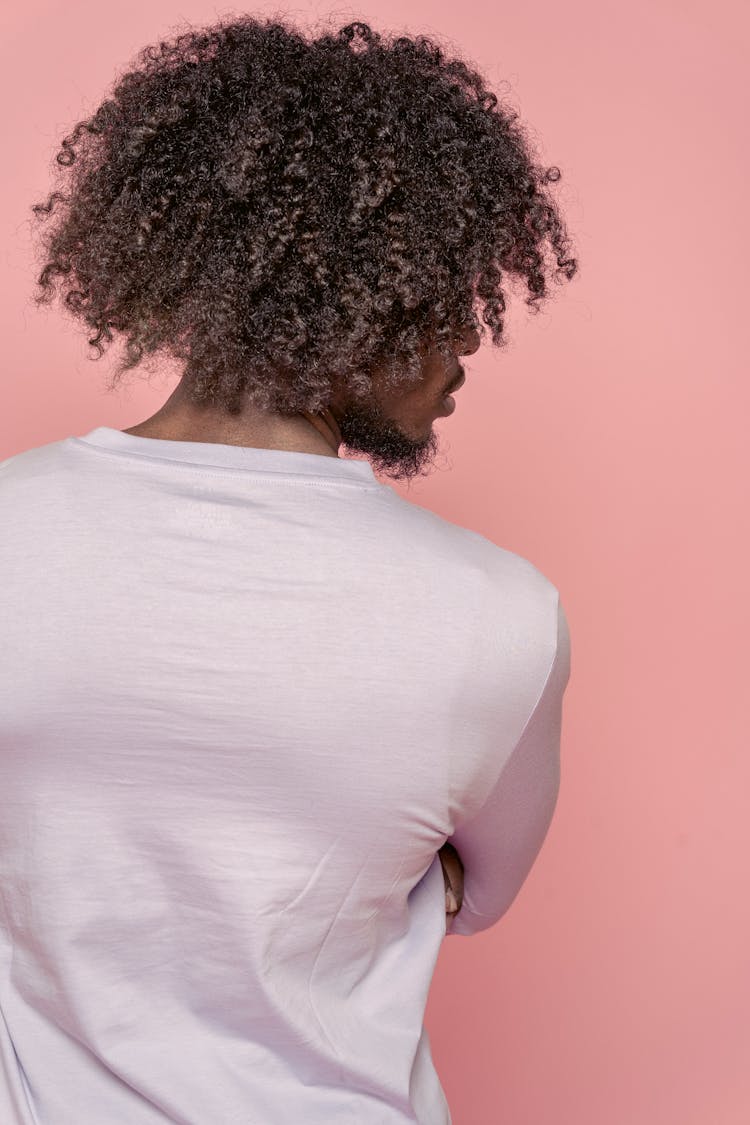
<point>285,214</point>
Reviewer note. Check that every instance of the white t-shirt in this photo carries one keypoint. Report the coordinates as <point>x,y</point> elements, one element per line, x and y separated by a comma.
<point>245,697</point>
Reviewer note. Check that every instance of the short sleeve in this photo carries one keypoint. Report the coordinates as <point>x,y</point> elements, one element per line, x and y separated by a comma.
<point>499,844</point>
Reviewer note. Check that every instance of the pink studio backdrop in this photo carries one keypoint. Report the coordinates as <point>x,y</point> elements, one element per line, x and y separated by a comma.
<point>609,446</point>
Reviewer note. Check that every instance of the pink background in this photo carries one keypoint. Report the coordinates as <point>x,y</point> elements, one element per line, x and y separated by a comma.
<point>609,446</point>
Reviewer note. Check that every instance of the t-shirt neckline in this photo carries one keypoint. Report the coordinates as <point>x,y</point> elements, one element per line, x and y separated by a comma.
<point>232,456</point>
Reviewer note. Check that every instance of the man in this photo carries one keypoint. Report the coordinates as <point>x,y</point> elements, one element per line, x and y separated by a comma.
<point>260,712</point>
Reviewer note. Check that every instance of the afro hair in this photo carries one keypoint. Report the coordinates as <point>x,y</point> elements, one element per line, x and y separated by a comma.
<point>284,214</point>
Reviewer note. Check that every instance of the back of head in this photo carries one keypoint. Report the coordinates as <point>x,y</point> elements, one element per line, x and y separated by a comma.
<point>283,212</point>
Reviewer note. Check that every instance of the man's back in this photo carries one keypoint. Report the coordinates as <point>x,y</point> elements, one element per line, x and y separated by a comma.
<point>246,695</point>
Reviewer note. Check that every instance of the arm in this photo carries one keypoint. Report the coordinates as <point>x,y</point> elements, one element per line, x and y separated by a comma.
<point>499,844</point>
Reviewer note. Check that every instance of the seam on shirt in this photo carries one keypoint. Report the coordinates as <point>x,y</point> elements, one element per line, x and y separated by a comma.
<point>277,477</point>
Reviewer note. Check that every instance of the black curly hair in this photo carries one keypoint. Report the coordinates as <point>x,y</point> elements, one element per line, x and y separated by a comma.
<point>285,213</point>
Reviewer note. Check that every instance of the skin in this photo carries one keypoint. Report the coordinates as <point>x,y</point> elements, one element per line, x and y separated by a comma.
<point>392,428</point>
<point>453,878</point>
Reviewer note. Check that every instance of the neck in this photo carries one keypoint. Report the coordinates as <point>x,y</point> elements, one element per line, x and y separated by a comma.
<point>325,423</point>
